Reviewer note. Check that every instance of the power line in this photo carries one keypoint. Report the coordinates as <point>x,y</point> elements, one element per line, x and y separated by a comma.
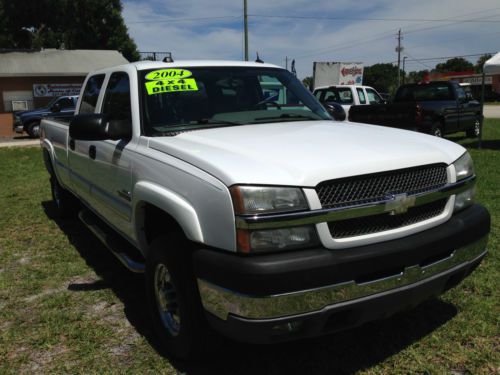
<point>373,19</point>
<point>184,19</point>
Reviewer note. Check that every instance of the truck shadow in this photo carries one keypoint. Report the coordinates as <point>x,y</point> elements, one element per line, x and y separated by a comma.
<point>341,353</point>
<point>488,144</point>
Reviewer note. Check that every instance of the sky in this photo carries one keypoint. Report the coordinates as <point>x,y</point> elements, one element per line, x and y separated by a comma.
<point>321,30</point>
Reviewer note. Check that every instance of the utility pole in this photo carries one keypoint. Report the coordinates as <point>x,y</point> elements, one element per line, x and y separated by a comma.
<point>286,62</point>
<point>404,70</point>
<point>399,49</point>
<point>245,25</point>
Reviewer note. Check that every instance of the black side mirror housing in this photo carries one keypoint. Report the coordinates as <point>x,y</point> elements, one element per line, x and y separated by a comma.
<point>97,127</point>
<point>335,110</point>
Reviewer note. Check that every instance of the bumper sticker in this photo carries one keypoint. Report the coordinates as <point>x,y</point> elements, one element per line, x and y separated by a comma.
<point>171,85</point>
<point>161,74</point>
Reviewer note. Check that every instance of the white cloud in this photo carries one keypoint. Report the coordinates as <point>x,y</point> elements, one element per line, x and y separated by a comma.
<point>315,40</point>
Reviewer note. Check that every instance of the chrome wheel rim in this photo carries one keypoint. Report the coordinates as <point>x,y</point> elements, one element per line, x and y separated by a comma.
<point>166,300</point>
<point>36,131</point>
<point>477,128</point>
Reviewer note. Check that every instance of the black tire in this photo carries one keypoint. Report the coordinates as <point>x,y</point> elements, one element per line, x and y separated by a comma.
<point>33,129</point>
<point>474,131</point>
<point>174,300</point>
<point>437,130</point>
<point>67,205</point>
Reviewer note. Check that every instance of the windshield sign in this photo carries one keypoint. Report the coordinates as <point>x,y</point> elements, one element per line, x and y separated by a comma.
<point>176,100</point>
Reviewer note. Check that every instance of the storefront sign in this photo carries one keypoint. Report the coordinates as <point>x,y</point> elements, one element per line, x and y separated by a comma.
<point>55,89</point>
<point>488,80</point>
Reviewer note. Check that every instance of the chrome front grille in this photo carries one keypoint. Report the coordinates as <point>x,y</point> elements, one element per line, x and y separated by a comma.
<point>378,223</point>
<point>375,187</point>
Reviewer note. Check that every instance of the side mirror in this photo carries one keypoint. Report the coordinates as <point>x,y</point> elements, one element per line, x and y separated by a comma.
<point>335,110</point>
<point>97,127</point>
<point>55,108</point>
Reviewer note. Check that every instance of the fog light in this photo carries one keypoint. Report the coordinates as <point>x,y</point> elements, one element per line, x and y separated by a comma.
<point>464,199</point>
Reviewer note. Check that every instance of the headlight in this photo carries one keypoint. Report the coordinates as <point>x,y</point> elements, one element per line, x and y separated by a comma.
<point>464,168</point>
<point>253,200</point>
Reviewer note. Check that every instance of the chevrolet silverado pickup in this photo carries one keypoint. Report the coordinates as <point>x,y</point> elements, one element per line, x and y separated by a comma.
<point>259,220</point>
<point>436,108</point>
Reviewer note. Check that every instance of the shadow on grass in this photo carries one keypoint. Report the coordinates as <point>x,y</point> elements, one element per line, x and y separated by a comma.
<point>486,144</point>
<point>344,352</point>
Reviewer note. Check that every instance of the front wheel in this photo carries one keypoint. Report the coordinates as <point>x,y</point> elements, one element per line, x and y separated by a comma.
<point>474,131</point>
<point>173,299</point>
<point>34,130</point>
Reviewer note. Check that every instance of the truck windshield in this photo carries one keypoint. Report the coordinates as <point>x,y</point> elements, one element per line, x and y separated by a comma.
<point>185,99</point>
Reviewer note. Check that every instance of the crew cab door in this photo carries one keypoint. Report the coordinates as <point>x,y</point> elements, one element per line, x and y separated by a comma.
<point>81,172</point>
<point>111,159</point>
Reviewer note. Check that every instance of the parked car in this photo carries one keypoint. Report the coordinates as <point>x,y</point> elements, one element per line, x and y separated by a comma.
<point>265,222</point>
<point>348,95</point>
<point>436,108</point>
<point>29,121</point>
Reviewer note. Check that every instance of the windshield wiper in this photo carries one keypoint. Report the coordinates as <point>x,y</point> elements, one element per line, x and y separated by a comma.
<point>288,116</point>
<point>206,121</point>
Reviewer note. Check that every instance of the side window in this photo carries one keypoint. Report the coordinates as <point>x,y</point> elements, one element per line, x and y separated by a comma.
<point>65,103</point>
<point>373,97</point>
<point>461,96</point>
<point>318,93</point>
<point>91,94</point>
<point>361,95</point>
<point>116,102</point>
<point>331,96</point>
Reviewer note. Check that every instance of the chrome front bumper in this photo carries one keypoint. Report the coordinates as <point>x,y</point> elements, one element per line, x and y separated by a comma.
<point>223,302</point>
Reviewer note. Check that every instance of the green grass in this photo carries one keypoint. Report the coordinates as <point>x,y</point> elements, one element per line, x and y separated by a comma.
<point>67,306</point>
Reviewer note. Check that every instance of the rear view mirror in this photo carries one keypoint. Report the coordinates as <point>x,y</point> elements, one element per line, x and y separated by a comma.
<point>97,127</point>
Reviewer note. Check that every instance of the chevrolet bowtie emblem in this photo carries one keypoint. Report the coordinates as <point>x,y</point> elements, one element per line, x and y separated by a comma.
<point>399,203</point>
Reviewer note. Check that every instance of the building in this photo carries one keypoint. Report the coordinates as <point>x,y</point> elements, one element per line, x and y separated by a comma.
<point>491,83</point>
<point>31,79</point>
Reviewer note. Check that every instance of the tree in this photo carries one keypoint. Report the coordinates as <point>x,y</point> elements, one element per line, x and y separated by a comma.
<point>383,77</point>
<point>457,64</point>
<point>78,24</point>
<point>308,82</point>
<point>415,77</point>
<point>478,68</point>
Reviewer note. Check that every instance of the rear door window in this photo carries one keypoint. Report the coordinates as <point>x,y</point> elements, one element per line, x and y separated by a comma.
<point>91,94</point>
<point>361,95</point>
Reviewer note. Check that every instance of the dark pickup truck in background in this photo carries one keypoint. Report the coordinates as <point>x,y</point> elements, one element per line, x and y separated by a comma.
<point>436,108</point>
<point>29,121</point>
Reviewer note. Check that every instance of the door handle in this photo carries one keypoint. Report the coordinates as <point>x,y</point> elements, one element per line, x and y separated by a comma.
<point>92,152</point>
<point>72,144</point>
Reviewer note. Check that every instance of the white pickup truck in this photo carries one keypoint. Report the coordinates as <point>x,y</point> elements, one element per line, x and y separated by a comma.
<point>263,221</point>
<point>348,95</point>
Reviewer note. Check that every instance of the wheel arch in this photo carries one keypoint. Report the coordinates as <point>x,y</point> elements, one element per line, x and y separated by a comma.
<point>158,211</point>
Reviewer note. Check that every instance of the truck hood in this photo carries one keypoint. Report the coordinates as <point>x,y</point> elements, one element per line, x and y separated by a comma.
<point>304,153</point>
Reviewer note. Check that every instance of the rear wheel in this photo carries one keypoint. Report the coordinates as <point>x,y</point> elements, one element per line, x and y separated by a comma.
<point>67,205</point>
<point>475,130</point>
<point>173,298</point>
<point>33,129</point>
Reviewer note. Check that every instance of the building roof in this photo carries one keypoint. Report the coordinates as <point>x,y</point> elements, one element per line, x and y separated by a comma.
<point>56,62</point>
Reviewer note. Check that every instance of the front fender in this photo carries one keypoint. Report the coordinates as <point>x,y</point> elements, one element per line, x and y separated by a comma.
<point>170,202</point>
